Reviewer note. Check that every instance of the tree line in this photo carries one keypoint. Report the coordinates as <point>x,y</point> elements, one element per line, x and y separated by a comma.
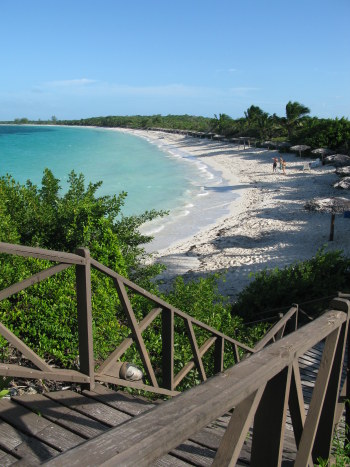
<point>296,126</point>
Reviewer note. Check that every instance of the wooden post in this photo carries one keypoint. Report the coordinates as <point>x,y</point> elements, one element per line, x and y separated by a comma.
<point>272,411</point>
<point>305,448</point>
<point>219,354</point>
<point>347,384</point>
<point>331,235</point>
<point>324,434</point>
<point>168,348</point>
<point>83,283</point>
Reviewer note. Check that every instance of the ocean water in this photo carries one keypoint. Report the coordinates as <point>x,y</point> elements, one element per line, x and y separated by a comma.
<point>155,176</point>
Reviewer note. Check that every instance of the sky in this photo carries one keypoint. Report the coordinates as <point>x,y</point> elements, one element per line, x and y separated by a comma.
<point>76,59</point>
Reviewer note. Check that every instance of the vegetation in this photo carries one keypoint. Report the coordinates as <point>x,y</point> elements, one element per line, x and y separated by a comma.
<point>317,277</point>
<point>340,450</point>
<point>44,315</point>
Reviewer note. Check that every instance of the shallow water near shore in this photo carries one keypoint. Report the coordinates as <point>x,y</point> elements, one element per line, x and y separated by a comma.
<point>155,176</point>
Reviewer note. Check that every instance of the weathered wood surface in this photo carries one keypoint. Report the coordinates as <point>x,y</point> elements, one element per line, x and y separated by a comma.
<point>50,255</point>
<point>140,441</point>
<point>37,428</point>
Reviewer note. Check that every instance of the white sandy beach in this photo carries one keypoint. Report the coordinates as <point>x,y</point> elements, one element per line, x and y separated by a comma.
<point>268,225</point>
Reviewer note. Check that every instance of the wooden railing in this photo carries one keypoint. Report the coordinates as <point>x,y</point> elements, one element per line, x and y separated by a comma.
<point>108,371</point>
<point>260,389</point>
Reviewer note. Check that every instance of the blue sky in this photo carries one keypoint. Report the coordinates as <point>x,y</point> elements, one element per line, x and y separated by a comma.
<point>78,59</point>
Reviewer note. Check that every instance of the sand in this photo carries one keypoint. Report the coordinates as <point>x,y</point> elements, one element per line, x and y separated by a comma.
<point>267,227</point>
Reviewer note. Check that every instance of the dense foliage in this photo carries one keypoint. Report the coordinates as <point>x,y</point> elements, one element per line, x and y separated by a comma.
<point>321,276</point>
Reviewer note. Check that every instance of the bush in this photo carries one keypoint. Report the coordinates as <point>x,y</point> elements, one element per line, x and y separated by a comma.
<point>44,316</point>
<point>318,277</point>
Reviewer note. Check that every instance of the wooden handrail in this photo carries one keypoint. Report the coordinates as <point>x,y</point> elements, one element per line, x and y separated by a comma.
<point>40,253</point>
<point>251,387</point>
<point>109,370</point>
<point>162,303</point>
<point>279,326</point>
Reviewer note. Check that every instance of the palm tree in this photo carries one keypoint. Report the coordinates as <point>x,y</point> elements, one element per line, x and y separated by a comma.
<point>294,115</point>
<point>253,114</point>
<point>222,124</point>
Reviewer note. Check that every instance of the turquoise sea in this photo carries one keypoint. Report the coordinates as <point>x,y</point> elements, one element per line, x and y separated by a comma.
<point>154,176</point>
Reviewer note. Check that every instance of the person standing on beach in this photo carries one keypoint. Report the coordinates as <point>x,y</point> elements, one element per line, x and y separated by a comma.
<point>281,163</point>
<point>274,165</point>
<point>284,167</point>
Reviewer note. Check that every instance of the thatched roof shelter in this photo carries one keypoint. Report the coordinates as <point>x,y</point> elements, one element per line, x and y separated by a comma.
<point>344,183</point>
<point>300,148</point>
<point>343,171</point>
<point>336,205</point>
<point>322,151</point>
<point>338,160</point>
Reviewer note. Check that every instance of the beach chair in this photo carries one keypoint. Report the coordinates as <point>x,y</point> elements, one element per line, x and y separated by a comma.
<point>307,166</point>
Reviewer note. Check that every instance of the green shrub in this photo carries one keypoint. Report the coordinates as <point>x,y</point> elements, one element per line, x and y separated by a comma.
<point>320,276</point>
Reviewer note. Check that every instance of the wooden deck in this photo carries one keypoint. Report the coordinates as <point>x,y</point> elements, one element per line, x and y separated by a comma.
<point>37,427</point>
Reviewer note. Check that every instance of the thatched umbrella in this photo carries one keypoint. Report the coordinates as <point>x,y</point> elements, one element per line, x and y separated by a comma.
<point>268,144</point>
<point>344,183</point>
<point>300,148</point>
<point>283,145</point>
<point>338,160</point>
<point>322,152</point>
<point>343,171</point>
<point>334,206</point>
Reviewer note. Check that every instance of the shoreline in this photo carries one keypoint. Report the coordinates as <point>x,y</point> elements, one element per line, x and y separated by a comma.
<point>266,227</point>
<point>222,188</point>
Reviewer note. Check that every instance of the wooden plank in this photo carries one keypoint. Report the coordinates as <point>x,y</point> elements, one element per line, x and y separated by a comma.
<point>172,461</point>
<point>7,459</point>
<point>194,453</point>
<point>168,349</point>
<point>188,367</point>
<point>273,331</point>
<point>84,307</point>
<point>50,255</point>
<point>120,400</point>
<point>324,435</point>
<point>35,279</point>
<point>219,353</point>
<point>123,296</point>
<point>235,353</point>
<point>108,364</point>
<point>81,425</point>
<point>296,404</point>
<point>233,439</point>
<point>312,419</point>
<point>154,433</point>
<point>272,411</point>
<point>89,407</point>
<point>24,349</point>
<point>195,350</point>
<point>209,437</point>
<point>19,371</point>
<point>134,384</point>
<point>33,425</point>
<point>23,446</point>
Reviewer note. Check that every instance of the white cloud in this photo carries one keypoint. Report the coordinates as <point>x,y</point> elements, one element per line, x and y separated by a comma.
<point>242,91</point>
<point>70,82</point>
